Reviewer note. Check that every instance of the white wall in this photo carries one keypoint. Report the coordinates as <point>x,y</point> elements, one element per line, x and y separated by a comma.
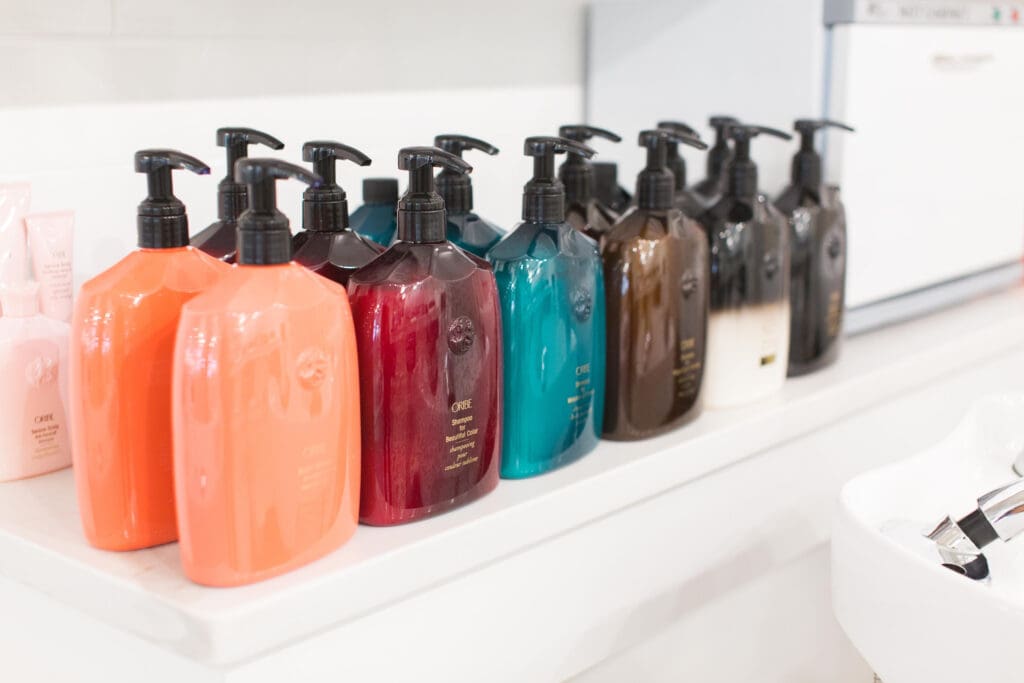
<point>87,82</point>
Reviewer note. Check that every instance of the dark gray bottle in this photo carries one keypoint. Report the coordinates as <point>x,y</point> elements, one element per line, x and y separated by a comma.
<point>817,236</point>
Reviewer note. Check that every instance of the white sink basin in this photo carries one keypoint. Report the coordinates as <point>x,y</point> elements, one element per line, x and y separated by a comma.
<point>912,619</point>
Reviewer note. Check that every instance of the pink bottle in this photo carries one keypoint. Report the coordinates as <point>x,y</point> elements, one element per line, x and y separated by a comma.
<point>33,386</point>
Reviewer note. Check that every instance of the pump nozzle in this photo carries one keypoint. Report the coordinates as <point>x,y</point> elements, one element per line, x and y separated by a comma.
<point>720,152</point>
<point>544,194</point>
<point>421,210</point>
<point>162,221</point>
<point>264,237</point>
<point>742,170</point>
<point>806,169</point>
<point>575,172</point>
<point>674,161</point>
<point>455,187</point>
<point>655,185</point>
<point>325,207</point>
<point>231,196</point>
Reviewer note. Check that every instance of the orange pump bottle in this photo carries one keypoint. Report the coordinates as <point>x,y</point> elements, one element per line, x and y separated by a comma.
<point>266,406</point>
<point>122,336</point>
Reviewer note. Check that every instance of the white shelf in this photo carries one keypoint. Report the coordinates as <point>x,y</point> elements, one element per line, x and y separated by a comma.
<point>145,594</point>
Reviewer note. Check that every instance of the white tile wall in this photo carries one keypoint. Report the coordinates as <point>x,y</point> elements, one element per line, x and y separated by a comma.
<point>80,156</point>
<point>85,83</point>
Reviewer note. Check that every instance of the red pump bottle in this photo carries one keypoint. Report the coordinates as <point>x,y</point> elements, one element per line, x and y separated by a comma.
<point>428,331</point>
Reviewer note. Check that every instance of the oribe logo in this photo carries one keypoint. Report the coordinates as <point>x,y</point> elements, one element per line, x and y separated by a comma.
<point>461,335</point>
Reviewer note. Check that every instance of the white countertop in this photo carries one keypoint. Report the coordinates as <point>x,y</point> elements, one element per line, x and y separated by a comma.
<point>145,593</point>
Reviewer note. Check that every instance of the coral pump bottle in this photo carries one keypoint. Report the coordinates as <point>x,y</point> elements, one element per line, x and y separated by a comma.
<point>266,406</point>
<point>122,342</point>
<point>428,328</point>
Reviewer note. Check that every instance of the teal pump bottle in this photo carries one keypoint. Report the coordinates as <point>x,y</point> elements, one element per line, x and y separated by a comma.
<point>551,286</point>
<point>465,229</point>
<point>377,217</point>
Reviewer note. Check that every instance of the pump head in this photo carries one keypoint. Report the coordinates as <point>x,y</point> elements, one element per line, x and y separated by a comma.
<point>231,196</point>
<point>264,237</point>
<point>655,184</point>
<point>741,169</point>
<point>674,161</point>
<point>421,211</point>
<point>720,152</point>
<point>544,194</point>
<point>806,169</point>
<point>325,208</point>
<point>162,221</point>
<point>576,173</point>
<point>455,187</point>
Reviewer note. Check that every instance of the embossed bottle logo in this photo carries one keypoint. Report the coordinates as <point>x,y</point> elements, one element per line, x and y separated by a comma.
<point>311,367</point>
<point>41,370</point>
<point>582,303</point>
<point>461,335</point>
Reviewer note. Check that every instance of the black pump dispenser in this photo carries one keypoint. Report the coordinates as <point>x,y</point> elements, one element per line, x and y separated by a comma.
<point>544,194</point>
<point>674,161</point>
<point>456,187</point>
<point>655,184</point>
<point>264,238</point>
<point>576,173</point>
<point>232,197</point>
<point>421,210</point>
<point>720,153</point>
<point>718,158</point>
<point>742,171</point>
<point>325,206</point>
<point>806,169</point>
<point>162,221</point>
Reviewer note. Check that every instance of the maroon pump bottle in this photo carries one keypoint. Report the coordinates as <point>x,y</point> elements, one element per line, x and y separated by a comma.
<point>327,245</point>
<point>428,330</point>
<point>220,239</point>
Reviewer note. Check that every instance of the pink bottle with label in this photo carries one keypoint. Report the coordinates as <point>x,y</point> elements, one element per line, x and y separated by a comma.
<point>33,386</point>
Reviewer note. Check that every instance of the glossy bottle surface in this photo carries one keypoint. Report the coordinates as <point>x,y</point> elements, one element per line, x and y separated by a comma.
<point>376,221</point>
<point>34,435</point>
<point>551,287</point>
<point>122,343</point>
<point>428,329</point>
<point>266,424</point>
<point>219,240</point>
<point>748,335</point>
<point>817,233</point>
<point>593,219</point>
<point>335,255</point>
<point>656,279</point>
<point>473,234</point>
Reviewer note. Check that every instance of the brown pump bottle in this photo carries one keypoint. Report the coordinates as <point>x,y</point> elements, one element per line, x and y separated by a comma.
<point>656,282</point>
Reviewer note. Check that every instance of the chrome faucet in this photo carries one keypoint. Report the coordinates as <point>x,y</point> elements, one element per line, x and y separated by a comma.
<point>999,516</point>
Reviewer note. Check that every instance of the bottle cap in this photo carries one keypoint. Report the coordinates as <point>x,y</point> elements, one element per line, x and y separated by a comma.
<point>720,153</point>
<point>805,171</point>
<point>231,196</point>
<point>544,194</point>
<point>162,221</point>
<point>325,206</point>
<point>455,187</point>
<point>655,184</point>
<point>19,299</point>
<point>673,160</point>
<point>742,171</point>
<point>576,172</point>
<point>421,213</point>
<point>264,237</point>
